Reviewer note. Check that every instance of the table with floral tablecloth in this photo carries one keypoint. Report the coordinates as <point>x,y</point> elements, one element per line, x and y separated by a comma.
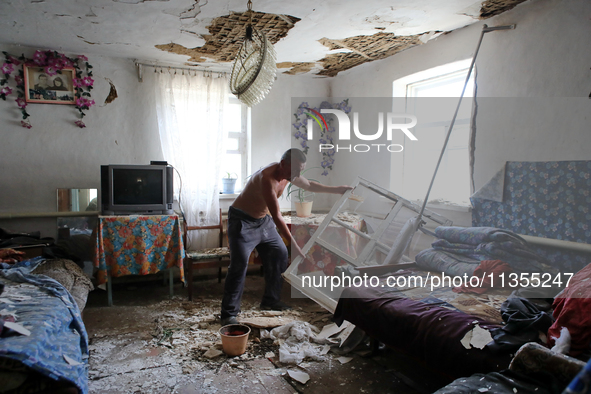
<point>138,245</point>
<point>320,259</point>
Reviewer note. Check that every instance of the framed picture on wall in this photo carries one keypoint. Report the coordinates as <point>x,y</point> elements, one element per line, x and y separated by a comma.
<point>40,87</point>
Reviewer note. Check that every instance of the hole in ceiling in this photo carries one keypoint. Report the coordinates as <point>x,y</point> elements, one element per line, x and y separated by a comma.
<point>363,49</point>
<point>491,8</point>
<point>226,34</point>
<point>296,68</point>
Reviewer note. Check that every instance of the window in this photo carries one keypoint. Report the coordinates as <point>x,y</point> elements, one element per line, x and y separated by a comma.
<point>237,125</point>
<point>433,96</point>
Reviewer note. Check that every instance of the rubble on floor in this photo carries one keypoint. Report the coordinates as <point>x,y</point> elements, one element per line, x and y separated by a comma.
<point>184,345</point>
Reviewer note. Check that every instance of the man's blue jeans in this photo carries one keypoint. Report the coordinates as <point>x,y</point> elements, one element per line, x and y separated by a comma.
<point>246,233</point>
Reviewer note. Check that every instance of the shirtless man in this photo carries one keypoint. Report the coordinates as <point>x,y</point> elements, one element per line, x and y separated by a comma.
<point>255,221</point>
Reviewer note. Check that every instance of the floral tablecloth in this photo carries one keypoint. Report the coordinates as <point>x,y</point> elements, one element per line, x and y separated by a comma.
<point>138,245</point>
<point>320,259</point>
<point>303,228</point>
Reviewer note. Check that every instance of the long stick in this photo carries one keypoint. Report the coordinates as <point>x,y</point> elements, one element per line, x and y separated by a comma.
<point>485,29</point>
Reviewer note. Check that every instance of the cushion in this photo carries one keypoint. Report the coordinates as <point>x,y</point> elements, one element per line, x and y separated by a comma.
<point>70,275</point>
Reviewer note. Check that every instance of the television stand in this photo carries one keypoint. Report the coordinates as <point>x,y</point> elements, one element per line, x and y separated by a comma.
<point>137,245</point>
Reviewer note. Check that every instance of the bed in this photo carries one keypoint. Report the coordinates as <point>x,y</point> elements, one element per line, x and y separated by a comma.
<point>431,319</point>
<point>47,349</point>
<point>426,325</point>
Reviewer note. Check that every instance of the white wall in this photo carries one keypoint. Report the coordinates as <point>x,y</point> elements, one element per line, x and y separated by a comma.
<point>272,119</point>
<point>543,66</point>
<point>55,153</point>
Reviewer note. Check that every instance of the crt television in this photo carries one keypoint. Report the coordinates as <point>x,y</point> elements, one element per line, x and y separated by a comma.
<point>128,189</point>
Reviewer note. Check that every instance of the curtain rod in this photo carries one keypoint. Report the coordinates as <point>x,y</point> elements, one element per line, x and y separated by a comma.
<point>139,66</point>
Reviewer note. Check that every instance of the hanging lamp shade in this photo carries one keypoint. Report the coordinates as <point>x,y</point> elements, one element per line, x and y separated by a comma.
<point>254,69</point>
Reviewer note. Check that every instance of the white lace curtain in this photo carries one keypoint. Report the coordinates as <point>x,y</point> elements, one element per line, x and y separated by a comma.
<point>190,109</point>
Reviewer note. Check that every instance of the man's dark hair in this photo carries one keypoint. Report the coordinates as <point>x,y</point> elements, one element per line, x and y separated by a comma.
<point>295,154</point>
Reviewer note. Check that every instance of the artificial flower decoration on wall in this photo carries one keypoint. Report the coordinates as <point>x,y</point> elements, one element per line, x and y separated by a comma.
<point>303,113</point>
<point>71,80</point>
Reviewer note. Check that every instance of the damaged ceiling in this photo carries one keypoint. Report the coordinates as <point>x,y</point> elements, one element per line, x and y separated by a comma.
<point>312,37</point>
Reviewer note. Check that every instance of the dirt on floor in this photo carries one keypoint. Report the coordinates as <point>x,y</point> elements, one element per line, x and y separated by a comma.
<point>150,343</point>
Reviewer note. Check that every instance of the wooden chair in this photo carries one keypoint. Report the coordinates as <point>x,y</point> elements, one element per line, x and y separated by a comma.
<point>206,258</point>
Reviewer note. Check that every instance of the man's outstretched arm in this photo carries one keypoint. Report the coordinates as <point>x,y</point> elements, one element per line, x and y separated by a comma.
<point>316,187</point>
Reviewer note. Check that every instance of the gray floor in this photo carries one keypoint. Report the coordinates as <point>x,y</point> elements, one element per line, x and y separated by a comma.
<point>150,343</point>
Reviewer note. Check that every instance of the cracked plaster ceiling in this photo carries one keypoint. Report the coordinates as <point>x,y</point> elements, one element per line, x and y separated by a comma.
<point>310,36</point>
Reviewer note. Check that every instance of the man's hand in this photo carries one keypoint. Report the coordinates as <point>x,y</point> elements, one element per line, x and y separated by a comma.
<point>315,187</point>
<point>297,251</point>
<point>343,189</point>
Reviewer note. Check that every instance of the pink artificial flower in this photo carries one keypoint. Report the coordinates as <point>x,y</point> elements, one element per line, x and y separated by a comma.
<point>26,124</point>
<point>50,70</point>
<point>87,81</point>
<point>5,90</point>
<point>63,61</point>
<point>13,60</point>
<point>18,79</point>
<point>40,58</point>
<point>83,58</point>
<point>21,103</point>
<point>78,83</point>
<point>66,62</point>
<point>7,68</point>
<point>84,103</point>
<point>80,123</point>
<point>54,62</point>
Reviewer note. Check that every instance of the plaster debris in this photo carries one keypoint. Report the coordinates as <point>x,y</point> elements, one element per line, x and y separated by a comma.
<point>344,360</point>
<point>465,341</point>
<point>182,343</point>
<point>295,341</point>
<point>299,376</point>
<point>477,338</point>
<point>562,343</point>
<point>480,337</point>
<point>265,322</point>
<point>71,361</point>
<point>331,329</point>
<point>17,328</point>
<point>212,353</point>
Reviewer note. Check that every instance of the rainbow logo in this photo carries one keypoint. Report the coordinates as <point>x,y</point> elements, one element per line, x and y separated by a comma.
<point>317,117</point>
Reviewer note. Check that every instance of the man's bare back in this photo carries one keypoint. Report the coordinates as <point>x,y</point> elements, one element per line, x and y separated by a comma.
<point>251,199</point>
